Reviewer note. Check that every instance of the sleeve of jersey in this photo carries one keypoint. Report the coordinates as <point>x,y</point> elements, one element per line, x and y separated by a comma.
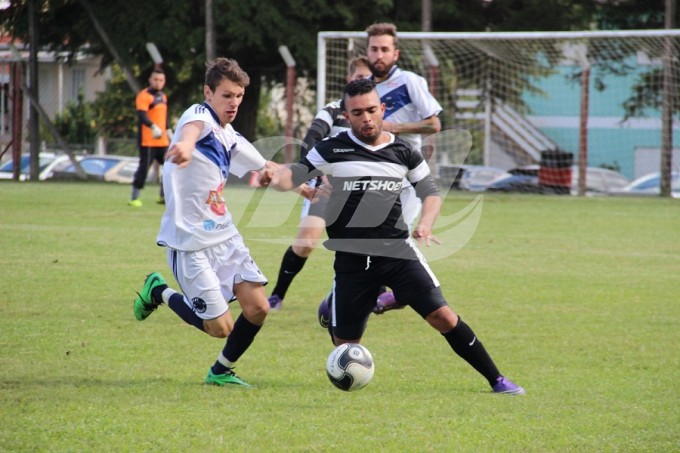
<point>309,167</point>
<point>142,101</point>
<point>426,104</point>
<point>320,128</point>
<point>419,175</point>
<point>245,158</point>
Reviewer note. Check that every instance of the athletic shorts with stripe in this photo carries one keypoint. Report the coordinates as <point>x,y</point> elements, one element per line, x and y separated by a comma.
<point>207,277</point>
<point>358,279</point>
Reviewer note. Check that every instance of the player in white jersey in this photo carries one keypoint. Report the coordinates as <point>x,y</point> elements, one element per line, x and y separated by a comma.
<point>410,109</point>
<point>366,167</point>
<point>205,251</point>
<point>328,122</point>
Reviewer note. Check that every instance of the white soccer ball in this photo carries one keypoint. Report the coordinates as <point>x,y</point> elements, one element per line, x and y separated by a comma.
<point>350,367</point>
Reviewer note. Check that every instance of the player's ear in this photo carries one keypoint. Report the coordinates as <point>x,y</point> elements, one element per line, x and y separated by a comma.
<point>396,54</point>
<point>207,92</point>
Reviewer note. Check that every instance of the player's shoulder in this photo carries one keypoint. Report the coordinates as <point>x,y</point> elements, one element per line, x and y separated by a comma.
<point>198,111</point>
<point>401,146</point>
<point>398,142</point>
<point>144,94</point>
<point>334,111</point>
<point>328,144</point>
<point>333,105</point>
<point>411,77</point>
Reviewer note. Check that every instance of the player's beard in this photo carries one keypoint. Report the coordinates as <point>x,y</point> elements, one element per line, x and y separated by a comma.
<point>382,71</point>
<point>370,137</point>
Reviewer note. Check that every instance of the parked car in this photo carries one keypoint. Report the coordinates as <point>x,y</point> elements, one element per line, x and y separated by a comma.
<point>525,180</point>
<point>49,163</point>
<point>475,178</point>
<point>650,185</point>
<point>108,167</point>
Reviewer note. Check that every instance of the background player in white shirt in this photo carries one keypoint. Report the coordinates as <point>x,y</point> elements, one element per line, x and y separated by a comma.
<point>206,252</point>
<point>410,109</point>
<point>327,122</point>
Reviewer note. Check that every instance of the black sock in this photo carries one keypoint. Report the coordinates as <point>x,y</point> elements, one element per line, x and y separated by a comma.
<point>466,344</point>
<point>240,338</point>
<point>291,264</point>
<point>157,293</point>
<point>177,304</point>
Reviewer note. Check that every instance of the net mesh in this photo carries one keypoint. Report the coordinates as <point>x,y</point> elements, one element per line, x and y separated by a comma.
<point>521,97</point>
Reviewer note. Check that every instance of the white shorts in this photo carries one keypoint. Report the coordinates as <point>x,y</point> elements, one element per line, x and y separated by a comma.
<point>207,277</point>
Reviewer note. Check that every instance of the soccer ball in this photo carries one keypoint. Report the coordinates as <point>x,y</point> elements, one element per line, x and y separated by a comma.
<point>350,367</point>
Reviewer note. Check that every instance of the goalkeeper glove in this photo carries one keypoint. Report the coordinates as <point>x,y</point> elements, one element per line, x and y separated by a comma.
<point>156,131</point>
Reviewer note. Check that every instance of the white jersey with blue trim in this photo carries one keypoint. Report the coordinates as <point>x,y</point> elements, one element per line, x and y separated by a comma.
<point>196,215</point>
<point>407,99</point>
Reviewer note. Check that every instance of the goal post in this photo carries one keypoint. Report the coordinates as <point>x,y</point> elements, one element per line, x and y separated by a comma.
<point>520,94</point>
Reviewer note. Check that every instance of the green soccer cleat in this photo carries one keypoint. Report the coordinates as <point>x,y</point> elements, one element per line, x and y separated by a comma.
<point>228,378</point>
<point>144,304</point>
<point>137,203</point>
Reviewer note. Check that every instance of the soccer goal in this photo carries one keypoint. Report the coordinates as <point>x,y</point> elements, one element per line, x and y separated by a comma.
<point>595,98</point>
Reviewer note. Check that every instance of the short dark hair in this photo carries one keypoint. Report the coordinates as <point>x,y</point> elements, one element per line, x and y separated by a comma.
<point>384,28</point>
<point>225,68</point>
<point>356,88</point>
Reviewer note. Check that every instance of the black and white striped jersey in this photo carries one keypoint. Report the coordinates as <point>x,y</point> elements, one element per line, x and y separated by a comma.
<point>364,211</point>
<point>328,121</point>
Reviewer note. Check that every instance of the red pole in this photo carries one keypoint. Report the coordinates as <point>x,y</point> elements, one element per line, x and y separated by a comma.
<point>17,116</point>
<point>583,131</point>
<point>290,99</point>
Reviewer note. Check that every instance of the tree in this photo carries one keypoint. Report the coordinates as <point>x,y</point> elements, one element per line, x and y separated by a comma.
<point>251,31</point>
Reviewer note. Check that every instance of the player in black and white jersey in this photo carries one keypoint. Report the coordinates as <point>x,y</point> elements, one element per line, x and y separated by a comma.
<point>328,122</point>
<point>366,229</point>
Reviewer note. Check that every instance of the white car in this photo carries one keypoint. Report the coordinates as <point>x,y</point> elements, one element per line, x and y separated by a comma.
<point>650,185</point>
<point>475,178</point>
<point>49,163</point>
<point>107,167</point>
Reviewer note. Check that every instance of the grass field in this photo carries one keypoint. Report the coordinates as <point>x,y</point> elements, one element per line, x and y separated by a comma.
<point>576,299</point>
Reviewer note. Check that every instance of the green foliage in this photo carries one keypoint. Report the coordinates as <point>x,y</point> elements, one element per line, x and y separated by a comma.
<point>115,107</point>
<point>269,123</point>
<point>252,31</point>
<point>76,125</point>
<point>573,297</point>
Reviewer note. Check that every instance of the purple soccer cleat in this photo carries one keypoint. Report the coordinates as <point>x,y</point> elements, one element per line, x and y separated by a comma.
<point>386,302</point>
<point>324,311</point>
<point>275,302</point>
<point>506,386</point>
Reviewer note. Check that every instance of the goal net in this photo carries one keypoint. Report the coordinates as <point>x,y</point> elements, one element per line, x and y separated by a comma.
<point>547,103</point>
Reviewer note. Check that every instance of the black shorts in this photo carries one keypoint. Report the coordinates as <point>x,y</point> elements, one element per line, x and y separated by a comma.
<point>358,279</point>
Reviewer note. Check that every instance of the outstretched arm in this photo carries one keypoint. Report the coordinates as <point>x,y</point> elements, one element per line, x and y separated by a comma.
<point>287,177</point>
<point>430,125</point>
<point>430,212</point>
<point>180,152</point>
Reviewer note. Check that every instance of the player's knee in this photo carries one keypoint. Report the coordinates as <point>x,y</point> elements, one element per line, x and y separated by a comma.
<point>304,247</point>
<point>256,313</point>
<point>443,319</point>
<point>219,328</point>
<point>218,331</point>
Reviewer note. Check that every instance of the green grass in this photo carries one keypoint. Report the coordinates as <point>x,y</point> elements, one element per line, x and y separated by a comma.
<point>576,299</point>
